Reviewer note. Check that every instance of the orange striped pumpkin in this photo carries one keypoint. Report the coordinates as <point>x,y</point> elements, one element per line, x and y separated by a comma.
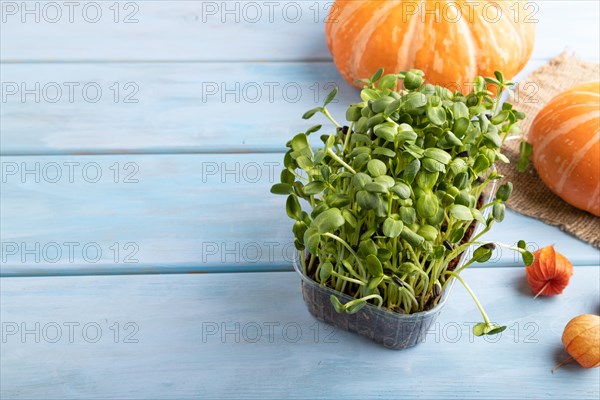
<point>451,41</point>
<point>565,137</point>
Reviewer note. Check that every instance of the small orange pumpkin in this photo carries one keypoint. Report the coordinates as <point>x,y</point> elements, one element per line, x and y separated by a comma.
<point>565,137</point>
<point>452,42</point>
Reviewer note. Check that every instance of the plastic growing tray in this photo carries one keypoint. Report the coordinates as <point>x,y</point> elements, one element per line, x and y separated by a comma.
<point>391,329</point>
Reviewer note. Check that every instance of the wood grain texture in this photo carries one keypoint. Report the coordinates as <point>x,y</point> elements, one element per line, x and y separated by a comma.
<point>181,353</point>
<point>194,107</point>
<point>231,31</point>
<point>174,31</point>
<point>173,213</point>
<point>209,210</point>
<point>206,104</point>
<point>169,108</point>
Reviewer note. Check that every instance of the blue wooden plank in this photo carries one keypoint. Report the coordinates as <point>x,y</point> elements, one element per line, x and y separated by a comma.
<point>250,336</point>
<point>167,31</point>
<point>229,31</point>
<point>165,108</point>
<point>172,213</point>
<point>161,107</point>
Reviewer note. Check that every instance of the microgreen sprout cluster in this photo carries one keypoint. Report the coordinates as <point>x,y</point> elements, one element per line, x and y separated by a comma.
<point>383,209</point>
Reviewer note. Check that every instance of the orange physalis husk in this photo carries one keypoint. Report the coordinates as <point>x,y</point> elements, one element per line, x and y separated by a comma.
<point>550,272</point>
<point>581,339</point>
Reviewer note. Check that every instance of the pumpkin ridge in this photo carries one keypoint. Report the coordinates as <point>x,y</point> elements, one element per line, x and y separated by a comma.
<point>567,113</point>
<point>472,48</point>
<point>366,33</point>
<point>569,126</point>
<point>562,101</point>
<point>581,92</point>
<point>343,28</point>
<point>580,108</point>
<point>595,198</point>
<point>489,30</point>
<point>520,30</point>
<point>348,8</point>
<point>577,157</point>
<point>394,26</point>
<point>504,53</point>
<point>408,51</point>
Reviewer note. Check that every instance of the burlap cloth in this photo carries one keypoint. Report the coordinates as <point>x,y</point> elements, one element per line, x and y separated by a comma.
<point>530,197</point>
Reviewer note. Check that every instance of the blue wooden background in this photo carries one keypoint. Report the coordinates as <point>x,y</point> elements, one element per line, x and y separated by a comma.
<point>160,161</point>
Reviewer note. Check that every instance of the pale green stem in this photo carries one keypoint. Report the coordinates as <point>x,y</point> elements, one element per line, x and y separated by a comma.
<point>339,160</point>
<point>347,278</point>
<point>412,298</point>
<point>486,319</point>
<point>326,113</point>
<point>347,139</point>
<point>369,297</point>
<point>347,246</point>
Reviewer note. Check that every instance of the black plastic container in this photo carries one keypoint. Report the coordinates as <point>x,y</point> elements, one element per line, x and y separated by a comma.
<point>393,330</point>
